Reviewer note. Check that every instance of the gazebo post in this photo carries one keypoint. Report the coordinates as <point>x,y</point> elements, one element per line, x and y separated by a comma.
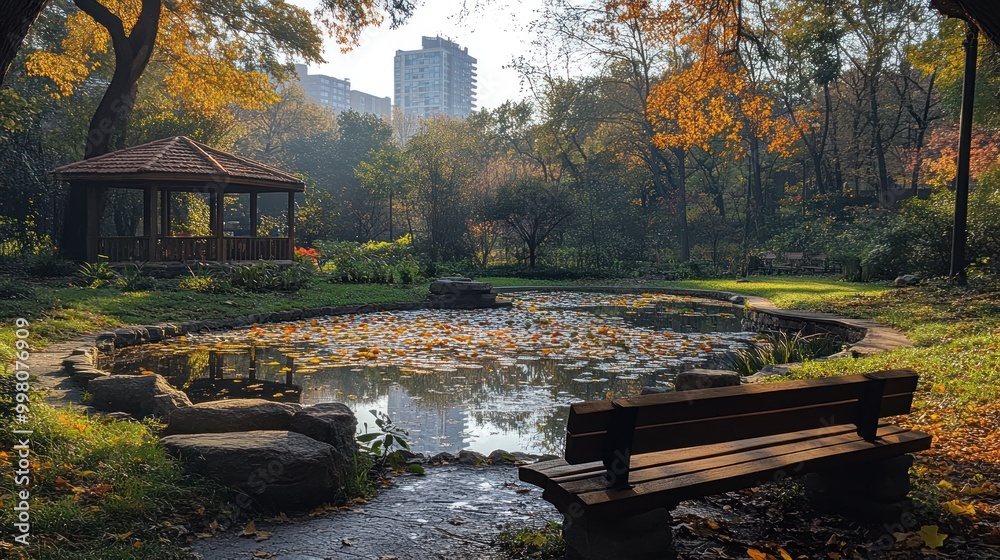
<point>253,225</point>
<point>218,224</point>
<point>149,221</point>
<point>291,224</point>
<point>93,222</point>
<point>165,212</point>
<point>254,218</point>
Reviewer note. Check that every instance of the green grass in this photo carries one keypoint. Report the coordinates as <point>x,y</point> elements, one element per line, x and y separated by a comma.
<point>60,311</point>
<point>102,489</point>
<point>790,292</point>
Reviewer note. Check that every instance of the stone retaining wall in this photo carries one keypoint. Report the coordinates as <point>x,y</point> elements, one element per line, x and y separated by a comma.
<point>759,320</point>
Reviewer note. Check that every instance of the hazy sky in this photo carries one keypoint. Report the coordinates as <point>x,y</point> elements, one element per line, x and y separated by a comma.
<point>494,35</point>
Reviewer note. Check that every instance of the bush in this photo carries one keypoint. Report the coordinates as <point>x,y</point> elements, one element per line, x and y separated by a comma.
<point>264,276</point>
<point>133,279</point>
<point>45,264</point>
<point>202,280</point>
<point>375,262</point>
<point>15,289</point>
<point>97,274</point>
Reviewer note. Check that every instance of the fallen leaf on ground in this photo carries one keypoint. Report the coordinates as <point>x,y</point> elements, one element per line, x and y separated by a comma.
<point>931,537</point>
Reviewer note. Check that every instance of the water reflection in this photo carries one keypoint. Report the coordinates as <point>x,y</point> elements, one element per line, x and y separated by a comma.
<point>515,395</point>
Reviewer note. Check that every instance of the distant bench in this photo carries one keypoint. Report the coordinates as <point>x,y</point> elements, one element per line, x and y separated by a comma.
<point>633,456</point>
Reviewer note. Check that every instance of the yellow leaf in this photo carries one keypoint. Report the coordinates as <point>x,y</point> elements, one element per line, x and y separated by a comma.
<point>956,507</point>
<point>945,485</point>
<point>784,554</point>
<point>250,529</point>
<point>931,537</point>
<point>757,555</point>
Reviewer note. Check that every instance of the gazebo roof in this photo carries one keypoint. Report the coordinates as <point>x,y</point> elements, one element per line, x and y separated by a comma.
<point>175,160</point>
<point>983,13</point>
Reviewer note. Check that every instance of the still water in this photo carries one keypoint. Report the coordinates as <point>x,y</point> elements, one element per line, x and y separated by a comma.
<point>462,379</point>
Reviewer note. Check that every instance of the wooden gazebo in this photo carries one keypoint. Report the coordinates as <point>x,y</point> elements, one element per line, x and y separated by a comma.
<point>179,164</point>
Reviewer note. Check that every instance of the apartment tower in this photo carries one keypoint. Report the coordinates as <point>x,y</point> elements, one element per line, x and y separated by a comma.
<point>438,79</point>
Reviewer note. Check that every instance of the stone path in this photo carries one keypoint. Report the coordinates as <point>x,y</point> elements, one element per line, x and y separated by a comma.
<point>454,511</point>
<point>58,388</point>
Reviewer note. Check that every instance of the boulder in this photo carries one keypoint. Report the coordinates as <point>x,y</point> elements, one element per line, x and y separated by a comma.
<point>235,415</point>
<point>277,469</point>
<point>705,379</point>
<point>906,280</point>
<point>443,457</point>
<point>469,457</point>
<point>335,425</point>
<point>331,423</point>
<point>500,456</point>
<point>139,395</point>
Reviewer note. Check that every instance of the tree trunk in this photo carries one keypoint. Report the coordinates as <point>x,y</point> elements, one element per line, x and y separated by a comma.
<point>922,124</point>
<point>682,221</point>
<point>877,145</point>
<point>18,17</point>
<point>107,127</point>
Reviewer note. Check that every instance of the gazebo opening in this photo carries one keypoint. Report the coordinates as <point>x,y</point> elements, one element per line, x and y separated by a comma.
<point>178,200</point>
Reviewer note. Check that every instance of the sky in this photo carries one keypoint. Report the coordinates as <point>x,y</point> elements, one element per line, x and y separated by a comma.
<point>495,35</point>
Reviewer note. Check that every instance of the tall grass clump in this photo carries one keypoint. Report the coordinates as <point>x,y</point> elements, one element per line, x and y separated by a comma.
<point>780,347</point>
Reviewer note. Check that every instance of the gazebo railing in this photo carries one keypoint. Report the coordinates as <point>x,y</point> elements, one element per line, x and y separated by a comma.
<point>188,249</point>
<point>125,249</point>
<point>254,248</point>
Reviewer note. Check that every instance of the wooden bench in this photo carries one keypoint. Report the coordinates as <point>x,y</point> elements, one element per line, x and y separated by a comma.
<point>633,455</point>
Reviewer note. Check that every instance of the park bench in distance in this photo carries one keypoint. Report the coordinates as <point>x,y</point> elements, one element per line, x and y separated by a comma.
<point>629,461</point>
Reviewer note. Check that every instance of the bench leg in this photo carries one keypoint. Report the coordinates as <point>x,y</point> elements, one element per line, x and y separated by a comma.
<point>872,492</point>
<point>647,536</point>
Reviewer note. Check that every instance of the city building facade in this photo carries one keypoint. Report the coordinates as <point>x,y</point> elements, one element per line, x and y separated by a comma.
<point>438,79</point>
<point>367,103</point>
<point>326,91</point>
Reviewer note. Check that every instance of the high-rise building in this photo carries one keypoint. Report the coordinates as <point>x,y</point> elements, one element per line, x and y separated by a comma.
<point>367,103</point>
<point>440,78</point>
<point>326,91</point>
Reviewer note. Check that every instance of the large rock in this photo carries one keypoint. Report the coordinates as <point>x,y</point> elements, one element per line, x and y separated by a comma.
<point>332,423</point>
<point>906,280</point>
<point>138,395</point>
<point>277,469</point>
<point>705,379</point>
<point>235,415</point>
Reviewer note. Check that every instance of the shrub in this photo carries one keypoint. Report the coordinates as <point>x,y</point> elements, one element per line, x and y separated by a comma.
<point>97,274</point>
<point>264,276</point>
<point>203,281</point>
<point>133,279</point>
<point>45,264</point>
<point>15,289</point>
<point>375,262</point>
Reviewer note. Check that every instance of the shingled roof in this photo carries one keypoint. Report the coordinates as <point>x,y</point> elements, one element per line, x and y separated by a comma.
<point>983,13</point>
<point>178,159</point>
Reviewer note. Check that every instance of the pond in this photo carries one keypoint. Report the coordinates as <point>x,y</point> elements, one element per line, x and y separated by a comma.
<point>458,379</point>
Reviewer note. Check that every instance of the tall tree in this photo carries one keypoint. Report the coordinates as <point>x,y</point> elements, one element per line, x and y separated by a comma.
<point>18,15</point>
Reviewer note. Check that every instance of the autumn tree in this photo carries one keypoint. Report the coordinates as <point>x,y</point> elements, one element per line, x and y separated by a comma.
<point>18,16</point>
<point>533,210</point>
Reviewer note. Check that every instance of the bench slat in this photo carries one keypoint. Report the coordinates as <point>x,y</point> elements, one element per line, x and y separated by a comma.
<point>587,447</point>
<point>559,470</point>
<point>692,454</point>
<point>667,492</point>
<point>595,416</point>
<point>596,483</point>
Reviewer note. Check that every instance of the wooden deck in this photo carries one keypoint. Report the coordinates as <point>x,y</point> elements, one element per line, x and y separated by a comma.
<point>200,249</point>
